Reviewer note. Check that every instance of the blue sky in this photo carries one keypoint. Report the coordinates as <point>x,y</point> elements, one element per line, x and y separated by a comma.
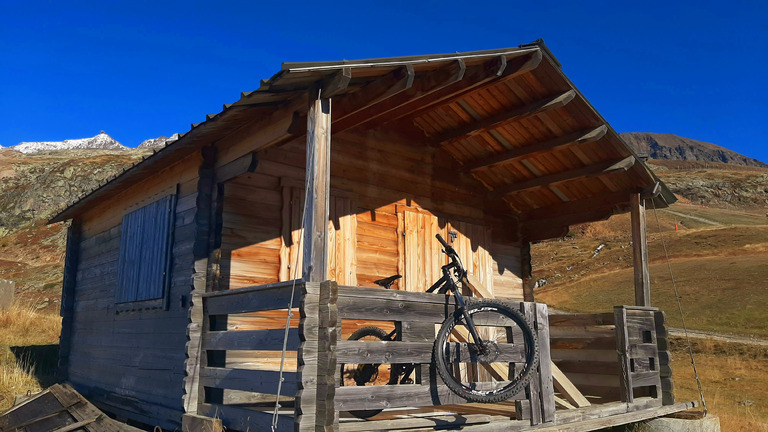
<point>137,69</point>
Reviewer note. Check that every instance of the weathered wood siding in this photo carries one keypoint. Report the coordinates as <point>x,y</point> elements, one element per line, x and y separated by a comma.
<point>132,362</point>
<point>386,206</point>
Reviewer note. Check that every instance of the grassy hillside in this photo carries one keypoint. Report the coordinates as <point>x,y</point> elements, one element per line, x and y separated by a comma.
<point>719,258</point>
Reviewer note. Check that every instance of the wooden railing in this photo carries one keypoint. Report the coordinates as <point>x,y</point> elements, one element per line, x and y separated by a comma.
<point>241,348</point>
<point>614,356</point>
<point>418,314</point>
<point>241,392</point>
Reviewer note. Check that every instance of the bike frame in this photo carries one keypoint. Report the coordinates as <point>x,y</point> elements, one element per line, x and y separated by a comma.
<point>447,283</point>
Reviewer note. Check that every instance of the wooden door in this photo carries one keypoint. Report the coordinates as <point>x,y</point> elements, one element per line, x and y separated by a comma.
<point>421,254</point>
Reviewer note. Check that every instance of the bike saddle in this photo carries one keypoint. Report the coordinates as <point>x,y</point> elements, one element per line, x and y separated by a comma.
<point>387,282</point>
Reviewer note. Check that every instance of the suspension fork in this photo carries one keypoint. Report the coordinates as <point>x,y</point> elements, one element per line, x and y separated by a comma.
<point>468,319</point>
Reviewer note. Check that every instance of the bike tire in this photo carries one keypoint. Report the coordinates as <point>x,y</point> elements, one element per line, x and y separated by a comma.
<point>512,328</point>
<point>359,334</point>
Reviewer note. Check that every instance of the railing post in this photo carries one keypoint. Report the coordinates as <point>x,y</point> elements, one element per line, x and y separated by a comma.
<point>540,392</point>
<point>638,351</point>
<point>318,330</point>
<point>665,370</point>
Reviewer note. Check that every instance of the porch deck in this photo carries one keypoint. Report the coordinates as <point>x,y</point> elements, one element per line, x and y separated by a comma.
<point>621,366</point>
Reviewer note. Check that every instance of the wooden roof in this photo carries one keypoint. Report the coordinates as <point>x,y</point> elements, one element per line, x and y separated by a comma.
<point>510,118</point>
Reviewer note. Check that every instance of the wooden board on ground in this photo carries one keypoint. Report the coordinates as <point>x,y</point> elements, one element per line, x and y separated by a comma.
<point>60,408</point>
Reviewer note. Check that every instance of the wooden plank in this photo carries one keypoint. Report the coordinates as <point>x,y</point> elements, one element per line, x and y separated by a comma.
<point>271,339</point>
<point>545,364</point>
<point>353,107</point>
<point>607,418</point>
<point>580,137</point>
<point>623,351</point>
<point>318,186</point>
<point>506,117</point>
<point>433,421</point>
<point>533,390</point>
<point>401,395</point>
<point>252,299</point>
<point>422,88</point>
<point>495,71</point>
<point>415,352</point>
<point>256,381</point>
<point>596,169</point>
<point>640,251</point>
<point>78,425</point>
<point>567,389</point>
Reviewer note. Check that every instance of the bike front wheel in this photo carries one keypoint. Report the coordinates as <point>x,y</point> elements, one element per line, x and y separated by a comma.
<point>498,370</point>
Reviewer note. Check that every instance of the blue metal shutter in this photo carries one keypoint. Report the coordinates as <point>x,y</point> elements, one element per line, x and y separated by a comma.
<point>145,249</point>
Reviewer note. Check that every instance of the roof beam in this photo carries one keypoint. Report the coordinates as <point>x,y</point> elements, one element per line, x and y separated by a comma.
<point>489,73</point>
<point>349,104</point>
<point>507,117</point>
<point>337,83</point>
<point>587,171</point>
<point>421,89</point>
<point>580,137</point>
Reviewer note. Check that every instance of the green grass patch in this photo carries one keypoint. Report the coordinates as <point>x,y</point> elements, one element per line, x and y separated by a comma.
<point>720,294</point>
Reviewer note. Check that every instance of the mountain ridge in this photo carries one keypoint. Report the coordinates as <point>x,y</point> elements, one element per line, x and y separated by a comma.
<point>102,141</point>
<point>674,147</point>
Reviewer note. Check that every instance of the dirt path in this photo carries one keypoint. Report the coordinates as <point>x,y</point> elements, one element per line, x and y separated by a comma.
<point>700,219</point>
<point>717,336</point>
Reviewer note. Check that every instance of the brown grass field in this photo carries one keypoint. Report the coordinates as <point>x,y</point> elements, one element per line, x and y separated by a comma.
<point>21,326</point>
<point>719,259</point>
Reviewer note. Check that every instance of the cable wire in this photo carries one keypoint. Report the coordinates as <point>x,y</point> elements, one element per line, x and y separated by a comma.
<point>680,309</point>
<point>299,251</point>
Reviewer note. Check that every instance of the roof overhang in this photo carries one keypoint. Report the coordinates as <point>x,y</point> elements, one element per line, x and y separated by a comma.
<point>510,118</point>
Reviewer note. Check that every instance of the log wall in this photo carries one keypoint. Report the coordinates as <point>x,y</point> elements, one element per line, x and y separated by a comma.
<point>387,202</point>
<point>131,363</point>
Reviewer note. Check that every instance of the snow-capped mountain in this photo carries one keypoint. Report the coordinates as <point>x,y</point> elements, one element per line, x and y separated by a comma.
<point>161,141</point>
<point>102,141</point>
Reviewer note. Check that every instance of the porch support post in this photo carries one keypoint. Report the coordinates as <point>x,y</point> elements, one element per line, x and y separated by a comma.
<point>640,252</point>
<point>318,190</point>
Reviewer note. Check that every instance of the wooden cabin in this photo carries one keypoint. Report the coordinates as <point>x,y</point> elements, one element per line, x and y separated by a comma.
<point>181,271</point>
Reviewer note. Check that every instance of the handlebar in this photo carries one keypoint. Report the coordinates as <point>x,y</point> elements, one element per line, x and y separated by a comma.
<point>442,241</point>
<point>451,252</point>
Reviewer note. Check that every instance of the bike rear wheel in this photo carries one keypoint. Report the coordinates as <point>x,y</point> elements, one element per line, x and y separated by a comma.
<point>499,371</point>
<point>367,374</point>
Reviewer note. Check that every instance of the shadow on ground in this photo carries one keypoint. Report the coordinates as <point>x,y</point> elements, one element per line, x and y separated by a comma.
<point>43,360</point>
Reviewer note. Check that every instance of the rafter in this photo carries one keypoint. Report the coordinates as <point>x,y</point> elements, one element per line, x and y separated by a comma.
<point>580,137</point>
<point>489,73</point>
<point>399,80</point>
<point>587,171</point>
<point>422,89</point>
<point>507,117</point>
<point>337,83</point>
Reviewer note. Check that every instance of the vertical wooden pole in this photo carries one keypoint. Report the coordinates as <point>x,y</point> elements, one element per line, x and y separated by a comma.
<point>318,180</point>
<point>68,297</point>
<point>206,197</point>
<point>640,251</point>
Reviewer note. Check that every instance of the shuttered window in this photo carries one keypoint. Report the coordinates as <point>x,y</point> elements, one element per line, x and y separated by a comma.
<point>145,252</point>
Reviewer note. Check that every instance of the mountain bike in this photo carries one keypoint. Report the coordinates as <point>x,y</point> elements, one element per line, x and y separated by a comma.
<point>485,351</point>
